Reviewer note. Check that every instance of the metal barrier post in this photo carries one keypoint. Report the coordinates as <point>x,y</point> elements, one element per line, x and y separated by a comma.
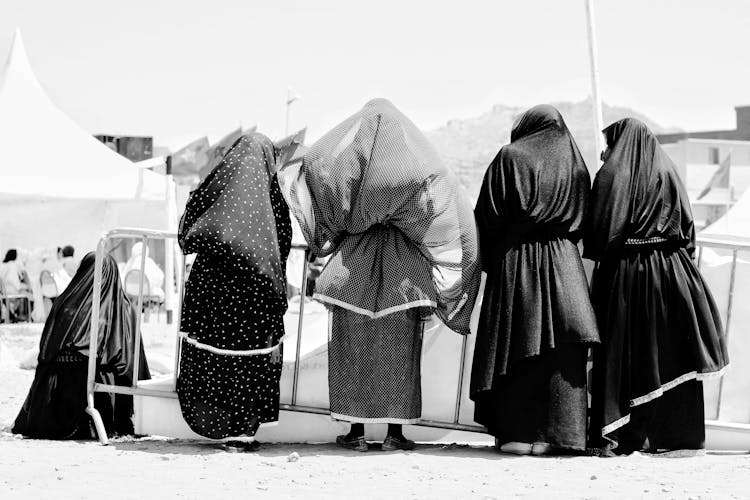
<point>302,298</point>
<point>137,359</point>
<point>461,368</point>
<point>730,300</point>
<point>178,340</point>
<point>94,344</point>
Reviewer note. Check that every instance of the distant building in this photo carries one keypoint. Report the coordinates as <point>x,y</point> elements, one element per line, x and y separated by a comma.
<point>741,133</point>
<point>132,148</point>
<point>699,156</point>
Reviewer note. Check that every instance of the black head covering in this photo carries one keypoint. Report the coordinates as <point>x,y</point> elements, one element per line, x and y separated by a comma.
<point>637,194</point>
<point>68,325</point>
<point>537,186</point>
<point>230,214</point>
<point>10,255</point>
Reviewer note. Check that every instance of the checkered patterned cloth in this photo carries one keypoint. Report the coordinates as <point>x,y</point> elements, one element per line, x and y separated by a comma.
<point>374,195</point>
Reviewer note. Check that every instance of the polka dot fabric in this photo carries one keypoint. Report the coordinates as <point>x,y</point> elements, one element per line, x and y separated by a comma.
<point>238,223</point>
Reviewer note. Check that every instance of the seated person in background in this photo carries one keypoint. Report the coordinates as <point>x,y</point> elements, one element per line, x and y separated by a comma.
<point>15,281</point>
<point>68,261</point>
<point>55,407</point>
<point>51,279</point>
<point>152,271</point>
<point>54,266</point>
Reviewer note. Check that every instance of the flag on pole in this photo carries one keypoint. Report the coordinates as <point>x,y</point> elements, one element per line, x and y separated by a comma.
<point>720,177</point>
<point>189,159</point>
<point>217,151</point>
<point>290,149</point>
<point>291,96</point>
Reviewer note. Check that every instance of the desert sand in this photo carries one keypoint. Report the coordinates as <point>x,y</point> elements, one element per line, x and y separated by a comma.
<point>153,467</point>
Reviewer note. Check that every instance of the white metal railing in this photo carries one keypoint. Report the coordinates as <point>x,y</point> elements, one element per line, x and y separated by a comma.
<point>736,245</point>
<point>134,389</point>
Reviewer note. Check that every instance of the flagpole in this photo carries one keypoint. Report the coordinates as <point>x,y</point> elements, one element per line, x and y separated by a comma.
<point>290,98</point>
<point>288,107</point>
<point>596,99</point>
<point>729,186</point>
<point>169,247</point>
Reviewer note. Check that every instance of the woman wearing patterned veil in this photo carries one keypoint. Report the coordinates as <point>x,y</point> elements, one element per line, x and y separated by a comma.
<point>373,195</point>
<point>238,224</point>
<point>661,330</point>
<point>528,379</point>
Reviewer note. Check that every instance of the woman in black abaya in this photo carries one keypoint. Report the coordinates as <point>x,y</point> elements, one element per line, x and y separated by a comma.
<point>661,331</point>
<point>528,379</point>
<point>56,404</point>
<point>238,224</point>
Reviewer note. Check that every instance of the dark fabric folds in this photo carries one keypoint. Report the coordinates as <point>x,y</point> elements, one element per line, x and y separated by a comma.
<point>543,399</point>
<point>225,204</point>
<point>636,194</point>
<point>54,408</point>
<point>374,195</point>
<point>238,224</point>
<point>530,213</point>
<point>659,323</point>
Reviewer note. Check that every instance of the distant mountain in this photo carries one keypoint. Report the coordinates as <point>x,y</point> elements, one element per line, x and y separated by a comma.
<point>469,145</point>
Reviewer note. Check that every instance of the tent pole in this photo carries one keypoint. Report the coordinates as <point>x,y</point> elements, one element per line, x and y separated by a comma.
<point>595,97</point>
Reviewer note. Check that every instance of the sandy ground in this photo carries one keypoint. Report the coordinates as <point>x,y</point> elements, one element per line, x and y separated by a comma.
<point>153,467</point>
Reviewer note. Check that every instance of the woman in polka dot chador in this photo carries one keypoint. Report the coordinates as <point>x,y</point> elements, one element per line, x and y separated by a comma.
<point>238,224</point>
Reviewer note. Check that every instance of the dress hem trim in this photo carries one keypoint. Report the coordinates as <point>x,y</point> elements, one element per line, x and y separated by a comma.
<point>229,352</point>
<point>646,398</point>
<point>374,314</point>
<point>378,420</point>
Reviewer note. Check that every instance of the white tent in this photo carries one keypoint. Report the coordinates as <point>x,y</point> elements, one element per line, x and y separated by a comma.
<point>58,184</point>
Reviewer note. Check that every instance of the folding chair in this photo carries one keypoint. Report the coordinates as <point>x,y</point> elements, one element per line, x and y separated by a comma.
<point>6,300</point>
<point>132,286</point>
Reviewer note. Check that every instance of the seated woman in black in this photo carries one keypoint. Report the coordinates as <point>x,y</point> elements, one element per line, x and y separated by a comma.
<point>55,407</point>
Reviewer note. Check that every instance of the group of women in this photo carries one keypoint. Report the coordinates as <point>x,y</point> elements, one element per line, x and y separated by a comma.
<point>651,321</point>
<point>402,244</point>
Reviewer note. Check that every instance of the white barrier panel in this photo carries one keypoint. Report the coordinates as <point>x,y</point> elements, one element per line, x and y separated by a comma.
<point>446,367</point>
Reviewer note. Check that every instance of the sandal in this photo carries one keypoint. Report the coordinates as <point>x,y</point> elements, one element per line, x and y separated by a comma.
<point>240,446</point>
<point>393,443</point>
<point>355,443</point>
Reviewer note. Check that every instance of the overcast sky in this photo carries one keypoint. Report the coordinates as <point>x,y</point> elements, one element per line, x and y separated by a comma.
<point>179,69</point>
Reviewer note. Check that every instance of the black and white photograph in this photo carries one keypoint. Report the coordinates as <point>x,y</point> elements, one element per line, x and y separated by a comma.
<point>381,250</point>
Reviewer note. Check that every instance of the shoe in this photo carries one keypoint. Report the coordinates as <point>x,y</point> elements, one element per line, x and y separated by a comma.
<point>240,446</point>
<point>541,448</point>
<point>392,443</point>
<point>354,443</point>
<point>516,448</point>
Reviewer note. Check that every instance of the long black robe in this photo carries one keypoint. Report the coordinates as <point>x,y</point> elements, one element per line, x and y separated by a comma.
<point>536,319</point>
<point>235,298</point>
<point>56,403</point>
<point>661,330</point>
